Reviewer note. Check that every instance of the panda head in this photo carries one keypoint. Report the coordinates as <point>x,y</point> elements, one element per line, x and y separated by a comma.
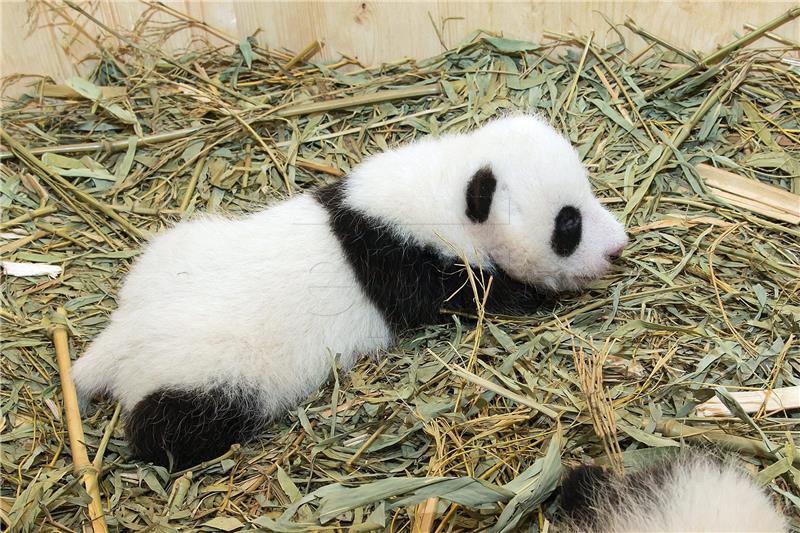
<point>530,207</point>
<point>511,194</point>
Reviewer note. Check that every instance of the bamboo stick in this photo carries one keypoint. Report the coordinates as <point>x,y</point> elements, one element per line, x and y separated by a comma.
<point>725,51</point>
<point>646,35</point>
<point>424,515</point>
<point>767,194</point>
<point>677,138</point>
<point>673,428</point>
<point>39,212</point>
<point>319,167</point>
<point>581,63</point>
<point>304,54</point>
<point>19,243</point>
<point>43,171</point>
<point>80,458</point>
<point>109,146</point>
<point>109,431</point>
<point>187,197</point>
<point>775,37</point>
<point>359,100</point>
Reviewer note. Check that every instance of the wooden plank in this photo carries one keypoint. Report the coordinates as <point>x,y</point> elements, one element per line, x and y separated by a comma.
<point>756,207</point>
<point>755,190</point>
<point>750,194</point>
<point>784,398</point>
<point>55,42</point>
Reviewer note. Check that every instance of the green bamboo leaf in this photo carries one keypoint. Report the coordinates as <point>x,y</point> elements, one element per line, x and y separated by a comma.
<point>247,51</point>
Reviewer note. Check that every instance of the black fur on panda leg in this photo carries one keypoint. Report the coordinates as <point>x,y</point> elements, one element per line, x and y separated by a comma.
<point>579,492</point>
<point>180,428</point>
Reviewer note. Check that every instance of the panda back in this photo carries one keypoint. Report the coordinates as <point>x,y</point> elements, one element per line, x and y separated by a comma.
<point>265,301</point>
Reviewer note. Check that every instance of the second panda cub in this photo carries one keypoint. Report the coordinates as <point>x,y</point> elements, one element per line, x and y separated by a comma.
<point>224,323</point>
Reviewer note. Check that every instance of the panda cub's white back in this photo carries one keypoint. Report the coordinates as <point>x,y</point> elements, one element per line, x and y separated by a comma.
<point>224,323</point>
<point>217,301</point>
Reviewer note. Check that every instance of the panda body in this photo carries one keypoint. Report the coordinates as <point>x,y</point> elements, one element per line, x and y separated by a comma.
<point>222,324</point>
<point>217,301</point>
<point>693,491</point>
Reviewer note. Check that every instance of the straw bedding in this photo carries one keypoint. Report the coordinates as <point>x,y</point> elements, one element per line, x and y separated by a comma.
<point>461,427</point>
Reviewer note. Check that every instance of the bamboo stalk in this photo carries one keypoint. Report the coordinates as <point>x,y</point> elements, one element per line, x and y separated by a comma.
<point>725,51</point>
<point>232,451</point>
<point>179,490</point>
<point>647,36</point>
<point>187,198</point>
<point>40,212</point>
<point>61,232</point>
<point>41,170</point>
<point>304,54</point>
<point>142,210</point>
<point>673,428</point>
<point>677,138</point>
<point>775,37</point>
<point>18,243</point>
<point>369,441</point>
<point>581,63</point>
<point>755,206</point>
<point>359,100</point>
<point>108,146</point>
<point>319,167</point>
<point>80,458</point>
<point>49,90</point>
<point>761,192</point>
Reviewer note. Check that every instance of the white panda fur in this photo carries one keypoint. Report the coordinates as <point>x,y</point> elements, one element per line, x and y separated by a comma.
<point>224,323</point>
<point>694,491</point>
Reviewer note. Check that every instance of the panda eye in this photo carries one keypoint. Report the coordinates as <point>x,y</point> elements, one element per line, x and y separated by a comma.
<point>567,232</point>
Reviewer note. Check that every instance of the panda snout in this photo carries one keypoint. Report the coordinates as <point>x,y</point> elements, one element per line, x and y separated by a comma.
<point>615,254</point>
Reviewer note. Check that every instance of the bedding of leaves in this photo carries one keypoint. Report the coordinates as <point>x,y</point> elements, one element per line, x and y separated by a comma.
<point>464,426</point>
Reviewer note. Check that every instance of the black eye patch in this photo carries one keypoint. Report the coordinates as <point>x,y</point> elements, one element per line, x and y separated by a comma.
<point>567,232</point>
<point>480,192</point>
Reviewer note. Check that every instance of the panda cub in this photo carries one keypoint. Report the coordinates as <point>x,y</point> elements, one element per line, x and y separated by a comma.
<point>690,492</point>
<point>225,323</point>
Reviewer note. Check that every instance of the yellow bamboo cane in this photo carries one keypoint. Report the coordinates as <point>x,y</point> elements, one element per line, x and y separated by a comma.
<point>80,458</point>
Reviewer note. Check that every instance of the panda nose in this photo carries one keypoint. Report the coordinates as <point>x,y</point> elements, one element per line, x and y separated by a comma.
<point>615,254</point>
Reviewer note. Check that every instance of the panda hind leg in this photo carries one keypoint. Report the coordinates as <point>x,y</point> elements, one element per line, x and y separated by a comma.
<point>179,428</point>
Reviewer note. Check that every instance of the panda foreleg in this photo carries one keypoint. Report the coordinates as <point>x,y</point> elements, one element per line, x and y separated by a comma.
<point>510,297</point>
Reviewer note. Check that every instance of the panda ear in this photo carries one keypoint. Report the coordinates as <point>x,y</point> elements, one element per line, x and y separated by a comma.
<point>480,192</point>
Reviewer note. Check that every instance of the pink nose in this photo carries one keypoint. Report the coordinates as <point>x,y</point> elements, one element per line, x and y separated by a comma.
<point>615,254</point>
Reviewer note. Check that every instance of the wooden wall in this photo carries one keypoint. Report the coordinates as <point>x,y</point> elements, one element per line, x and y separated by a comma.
<point>51,38</point>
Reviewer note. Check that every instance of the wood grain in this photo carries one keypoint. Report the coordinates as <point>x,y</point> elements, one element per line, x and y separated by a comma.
<point>39,40</point>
